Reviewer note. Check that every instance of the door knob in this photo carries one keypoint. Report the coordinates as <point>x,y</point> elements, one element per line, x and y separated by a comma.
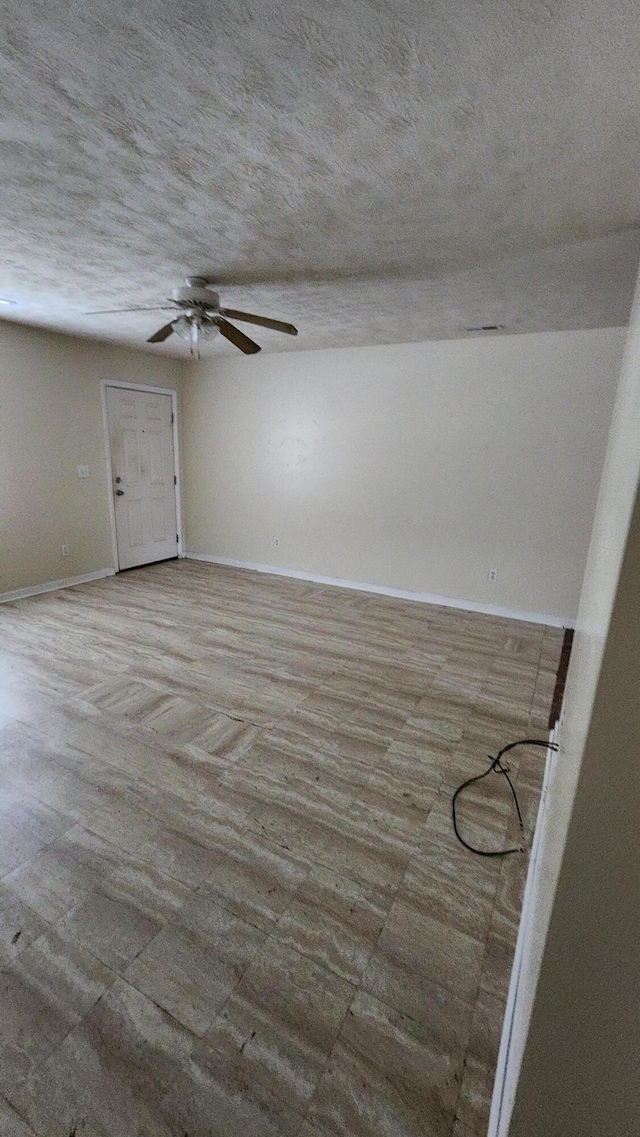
<point>119,493</point>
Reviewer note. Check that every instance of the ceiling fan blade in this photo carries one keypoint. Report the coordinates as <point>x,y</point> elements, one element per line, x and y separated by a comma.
<point>110,311</point>
<point>235,336</point>
<point>161,334</point>
<point>264,321</point>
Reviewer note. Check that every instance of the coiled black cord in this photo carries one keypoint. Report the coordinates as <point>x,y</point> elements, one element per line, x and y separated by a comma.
<point>496,767</point>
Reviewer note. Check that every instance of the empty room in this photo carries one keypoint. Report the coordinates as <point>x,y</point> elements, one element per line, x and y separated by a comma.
<point>319,567</point>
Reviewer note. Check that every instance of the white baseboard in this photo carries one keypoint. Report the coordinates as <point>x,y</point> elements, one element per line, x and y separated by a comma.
<point>53,585</point>
<point>384,590</point>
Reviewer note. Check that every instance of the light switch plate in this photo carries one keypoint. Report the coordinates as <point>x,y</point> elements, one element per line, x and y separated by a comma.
<point>83,471</point>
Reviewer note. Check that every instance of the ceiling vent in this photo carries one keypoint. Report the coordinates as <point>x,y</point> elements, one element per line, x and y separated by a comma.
<point>487,328</point>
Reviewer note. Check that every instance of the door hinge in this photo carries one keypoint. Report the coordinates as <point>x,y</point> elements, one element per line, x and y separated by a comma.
<point>175,479</point>
<point>172,418</point>
<point>177,539</point>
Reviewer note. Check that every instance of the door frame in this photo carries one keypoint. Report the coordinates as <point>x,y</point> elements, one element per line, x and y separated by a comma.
<point>105,384</point>
<point>526,961</point>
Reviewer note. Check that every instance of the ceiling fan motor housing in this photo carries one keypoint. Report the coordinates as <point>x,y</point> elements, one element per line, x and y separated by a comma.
<point>195,291</point>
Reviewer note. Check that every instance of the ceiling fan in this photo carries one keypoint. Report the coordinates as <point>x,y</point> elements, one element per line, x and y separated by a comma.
<point>200,317</point>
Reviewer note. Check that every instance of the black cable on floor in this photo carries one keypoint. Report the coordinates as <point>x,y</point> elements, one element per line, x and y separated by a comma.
<point>497,768</point>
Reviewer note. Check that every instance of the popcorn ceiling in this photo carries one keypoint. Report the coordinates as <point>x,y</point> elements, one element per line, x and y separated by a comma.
<point>375,172</point>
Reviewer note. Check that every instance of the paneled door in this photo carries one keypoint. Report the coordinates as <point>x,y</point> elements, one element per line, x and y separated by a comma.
<point>142,467</point>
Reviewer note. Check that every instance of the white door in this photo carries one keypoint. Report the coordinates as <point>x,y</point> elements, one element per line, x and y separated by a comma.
<point>142,466</point>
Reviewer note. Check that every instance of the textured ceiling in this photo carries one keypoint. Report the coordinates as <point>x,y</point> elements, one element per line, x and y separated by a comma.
<point>376,172</point>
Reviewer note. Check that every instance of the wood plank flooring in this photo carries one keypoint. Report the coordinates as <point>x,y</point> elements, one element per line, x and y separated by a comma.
<point>231,901</point>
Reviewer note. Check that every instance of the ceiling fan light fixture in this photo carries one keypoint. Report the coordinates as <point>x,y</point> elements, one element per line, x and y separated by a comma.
<point>208,330</point>
<point>196,329</point>
<point>199,318</point>
<point>184,325</point>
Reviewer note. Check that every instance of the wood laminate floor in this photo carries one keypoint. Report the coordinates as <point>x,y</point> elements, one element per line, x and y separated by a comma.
<point>231,901</point>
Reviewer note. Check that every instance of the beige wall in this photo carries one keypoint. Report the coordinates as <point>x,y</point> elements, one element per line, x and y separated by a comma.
<point>415,466</point>
<point>579,1076</point>
<point>412,466</point>
<point>50,422</point>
